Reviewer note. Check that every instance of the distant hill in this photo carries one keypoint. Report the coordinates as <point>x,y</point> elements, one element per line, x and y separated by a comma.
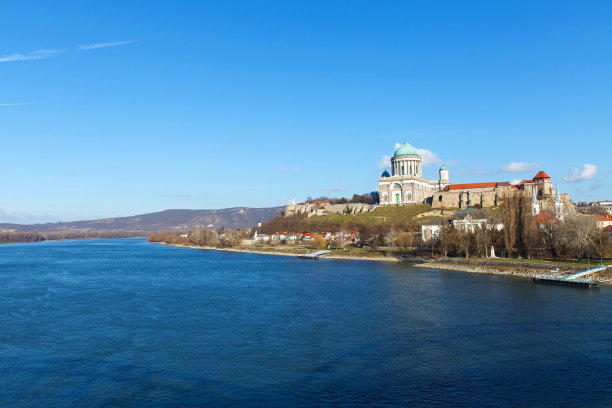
<point>239,217</point>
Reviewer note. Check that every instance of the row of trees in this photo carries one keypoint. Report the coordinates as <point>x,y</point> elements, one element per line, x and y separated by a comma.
<point>202,237</point>
<point>11,237</point>
<point>366,198</point>
<point>14,237</point>
<point>524,236</point>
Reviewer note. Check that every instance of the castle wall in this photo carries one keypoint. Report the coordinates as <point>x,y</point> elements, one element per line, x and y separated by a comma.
<point>324,209</point>
<point>486,197</point>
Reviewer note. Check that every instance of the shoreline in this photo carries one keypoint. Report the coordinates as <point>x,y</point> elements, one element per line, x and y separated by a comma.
<point>466,266</point>
<point>280,253</point>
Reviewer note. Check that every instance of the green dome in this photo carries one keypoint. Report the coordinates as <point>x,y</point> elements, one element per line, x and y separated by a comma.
<point>406,150</point>
<point>443,168</point>
<point>385,174</point>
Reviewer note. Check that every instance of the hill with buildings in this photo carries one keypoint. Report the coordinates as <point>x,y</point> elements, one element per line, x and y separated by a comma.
<point>239,217</point>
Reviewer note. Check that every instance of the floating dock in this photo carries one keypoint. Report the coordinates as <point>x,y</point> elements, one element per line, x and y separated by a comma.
<point>313,255</point>
<point>566,282</point>
<point>571,279</point>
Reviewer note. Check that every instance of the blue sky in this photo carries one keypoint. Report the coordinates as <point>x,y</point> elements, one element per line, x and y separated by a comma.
<point>119,108</point>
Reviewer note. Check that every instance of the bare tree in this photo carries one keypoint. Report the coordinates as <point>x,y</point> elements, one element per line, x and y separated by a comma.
<point>552,231</point>
<point>465,238</point>
<point>481,235</point>
<point>447,239</point>
<point>582,229</point>
<point>509,214</point>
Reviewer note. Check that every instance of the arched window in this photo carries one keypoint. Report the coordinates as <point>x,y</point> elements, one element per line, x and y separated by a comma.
<point>440,198</point>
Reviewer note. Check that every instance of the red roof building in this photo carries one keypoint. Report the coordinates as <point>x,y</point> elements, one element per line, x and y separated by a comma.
<point>604,221</point>
<point>541,175</point>
<point>469,186</point>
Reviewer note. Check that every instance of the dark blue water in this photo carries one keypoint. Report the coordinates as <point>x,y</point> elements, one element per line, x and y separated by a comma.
<point>126,323</point>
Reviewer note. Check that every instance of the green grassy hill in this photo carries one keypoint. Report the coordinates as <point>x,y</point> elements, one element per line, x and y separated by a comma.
<point>381,219</point>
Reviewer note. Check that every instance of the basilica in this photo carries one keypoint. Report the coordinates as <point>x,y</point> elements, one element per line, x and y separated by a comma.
<point>406,185</point>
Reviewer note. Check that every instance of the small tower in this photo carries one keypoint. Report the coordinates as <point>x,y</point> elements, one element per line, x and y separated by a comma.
<point>444,180</point>
<point>558,205</point>
<point>535,206</point>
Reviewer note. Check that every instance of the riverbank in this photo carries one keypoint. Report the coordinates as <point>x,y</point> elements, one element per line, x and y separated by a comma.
<point>505,268</point>
<point>351,256</point>
<point>485,266</point>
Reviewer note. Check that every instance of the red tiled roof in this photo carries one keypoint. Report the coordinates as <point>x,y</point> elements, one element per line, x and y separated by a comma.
<point>545,217</point>
<point>525,181</point>
<point>608,228</point>
<point>469,185</point>
<point>540,175</point>
<point>604,218</point>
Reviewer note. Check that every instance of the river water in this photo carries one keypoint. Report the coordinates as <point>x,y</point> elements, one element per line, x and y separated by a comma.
<point>127,323</point>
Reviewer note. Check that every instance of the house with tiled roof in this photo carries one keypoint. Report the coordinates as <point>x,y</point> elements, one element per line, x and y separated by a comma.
<point>604,221</point>
<point>608,232</point>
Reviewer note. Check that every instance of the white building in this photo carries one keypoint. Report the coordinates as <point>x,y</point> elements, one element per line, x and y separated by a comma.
<point>406,184</point>
<point>261,237</point>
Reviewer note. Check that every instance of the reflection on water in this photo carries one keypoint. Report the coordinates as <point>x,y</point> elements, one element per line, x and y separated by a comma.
<point>123,322</point>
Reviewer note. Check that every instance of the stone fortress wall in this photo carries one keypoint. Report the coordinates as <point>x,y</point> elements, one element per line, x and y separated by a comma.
<point>311,209</point>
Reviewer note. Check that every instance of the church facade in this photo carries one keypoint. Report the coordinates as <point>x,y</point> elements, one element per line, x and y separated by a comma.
<point>406,184</point>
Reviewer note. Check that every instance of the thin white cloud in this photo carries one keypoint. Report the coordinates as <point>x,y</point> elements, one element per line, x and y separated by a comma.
<point>17,104</point>
<point>587,172</point>
<point>39,54</point>
<point>105,44</point>
<point>429,158</point>
<point>42,54</point>
<point>519,167</point>
<point>481,170</point>
<point>385,162</point>
<point>335,189</point>
<point>284,169</point>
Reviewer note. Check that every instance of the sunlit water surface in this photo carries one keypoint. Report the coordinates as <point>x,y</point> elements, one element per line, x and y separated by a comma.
<point>126,323</point>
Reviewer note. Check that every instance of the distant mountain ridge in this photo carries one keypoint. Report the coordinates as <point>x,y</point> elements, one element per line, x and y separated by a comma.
<point>237,217</point>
